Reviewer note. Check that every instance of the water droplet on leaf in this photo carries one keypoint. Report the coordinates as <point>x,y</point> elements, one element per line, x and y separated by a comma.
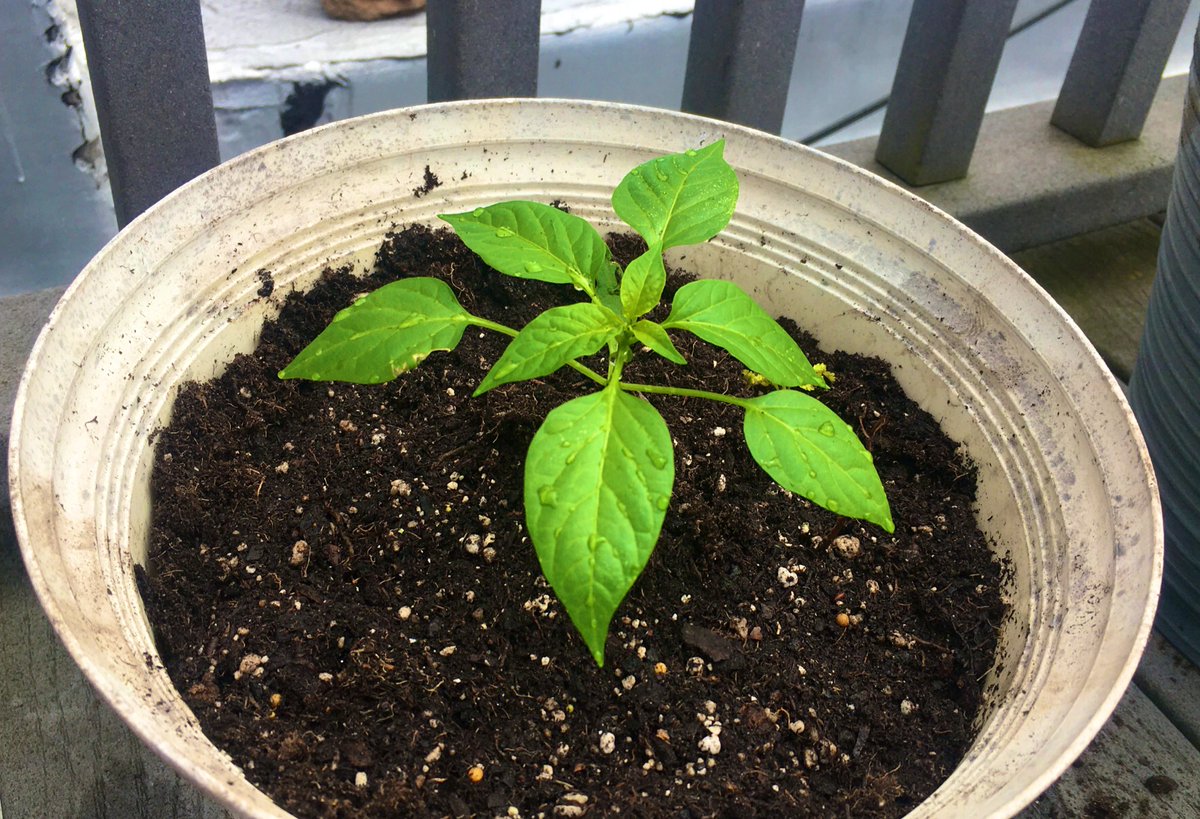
<point>662,503</point>
<point>503,233</point>
<point>831,505</point>
<point>661,174</point>
<point>478,212</point>
<point>547,496</point>
<point>689,152</point>
<point>533,267</point>
<point>657,459</point>
<point>826,429</point>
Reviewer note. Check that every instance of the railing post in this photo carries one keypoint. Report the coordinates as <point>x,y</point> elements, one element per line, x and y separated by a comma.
<point>149,73</point>
<point>482,48</point>
<point>947,65</point>
<point>1116,68</point>
<point>740,58</point>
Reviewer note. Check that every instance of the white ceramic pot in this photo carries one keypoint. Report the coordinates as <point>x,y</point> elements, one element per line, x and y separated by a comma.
<point>1066,488</point>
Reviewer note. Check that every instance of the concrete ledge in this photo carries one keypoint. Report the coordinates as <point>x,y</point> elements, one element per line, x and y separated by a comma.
<point>1030,183</point>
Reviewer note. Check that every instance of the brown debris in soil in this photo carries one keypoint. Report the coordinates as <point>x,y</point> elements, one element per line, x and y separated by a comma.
<point>342,588</point>
<point>429,182</point>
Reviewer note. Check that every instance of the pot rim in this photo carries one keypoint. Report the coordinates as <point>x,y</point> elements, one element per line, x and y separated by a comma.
<point>123,701</point>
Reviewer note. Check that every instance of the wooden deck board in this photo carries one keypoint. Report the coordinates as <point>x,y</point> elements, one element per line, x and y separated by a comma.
<point>63,751</point>
<point>1139,765</point>
<point>1102,279</point>
<point>1173,684</point>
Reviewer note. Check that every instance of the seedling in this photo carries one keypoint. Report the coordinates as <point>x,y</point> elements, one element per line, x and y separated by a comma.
<point>600,469</point>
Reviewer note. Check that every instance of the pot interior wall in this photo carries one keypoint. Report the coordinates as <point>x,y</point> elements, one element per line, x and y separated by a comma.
<point>1065,494</point>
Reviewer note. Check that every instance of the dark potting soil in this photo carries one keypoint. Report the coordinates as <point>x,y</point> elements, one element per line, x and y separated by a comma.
<point>342,589</point>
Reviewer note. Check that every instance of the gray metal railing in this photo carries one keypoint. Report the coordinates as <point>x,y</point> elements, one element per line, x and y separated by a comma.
<point>947,66</point>
<point>481,48</point>
<point>1116,68</point>
<point>739,62</point>
<point>149,72</point>
<point>154,104</point>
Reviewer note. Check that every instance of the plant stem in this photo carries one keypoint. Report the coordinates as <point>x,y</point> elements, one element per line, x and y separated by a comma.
<point>487,324</point>
<point>685,392</point>
<point>621,354</point>
<point>615,373</point>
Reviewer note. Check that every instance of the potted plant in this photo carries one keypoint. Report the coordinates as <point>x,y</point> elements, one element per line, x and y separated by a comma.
<point>600,470</point>
<point>1064,485</point>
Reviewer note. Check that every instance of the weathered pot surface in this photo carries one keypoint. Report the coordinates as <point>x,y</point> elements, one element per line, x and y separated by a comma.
<point>1066,488</point>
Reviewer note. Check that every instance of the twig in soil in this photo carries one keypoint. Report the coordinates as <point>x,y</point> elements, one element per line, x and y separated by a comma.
<point>450,452</point>
<point>458,288</point>
<point>868,437</point>
<point>839,526</point>
<point>928,644</point>
<point>861,740</point>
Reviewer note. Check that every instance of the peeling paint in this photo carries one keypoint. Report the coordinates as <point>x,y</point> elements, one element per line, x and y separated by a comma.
<point>68,71</point>
<point>305,106</point>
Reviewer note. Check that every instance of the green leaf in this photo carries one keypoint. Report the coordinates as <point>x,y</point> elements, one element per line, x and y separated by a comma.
<point>721,313</point>
<point>534,241</point>
<point>383,334</point>
<point>607,288</point>
<point>656,338</point>
<point>679,199</point>
<point>598,481</point>
<point>807,449</point>
<point>550,340</point>
<point>642,285</point>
